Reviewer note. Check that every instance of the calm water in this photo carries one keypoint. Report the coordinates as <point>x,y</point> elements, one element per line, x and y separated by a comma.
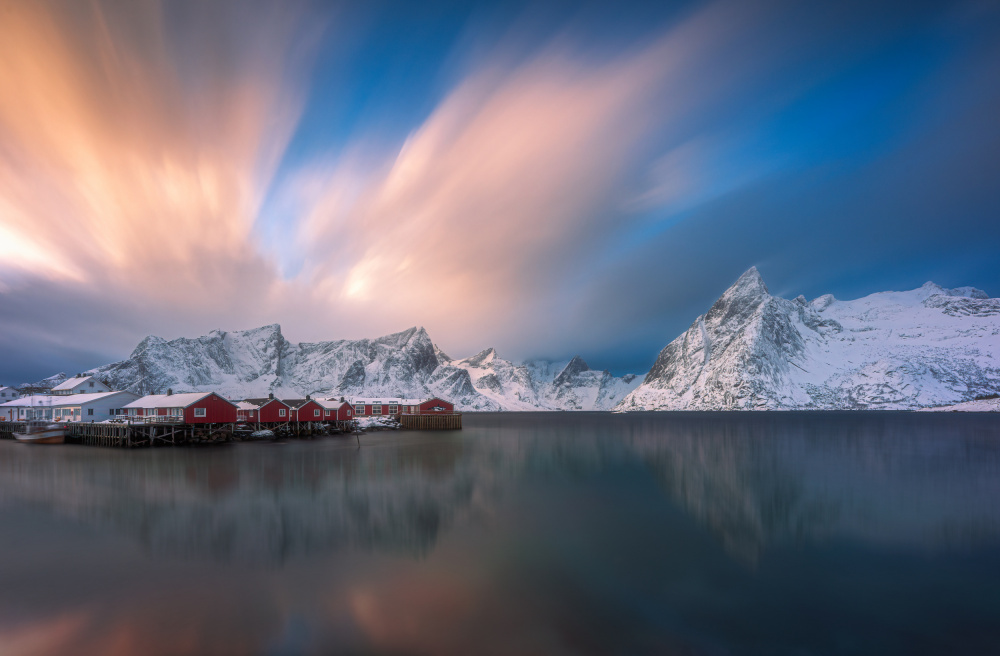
<point>524,534</point>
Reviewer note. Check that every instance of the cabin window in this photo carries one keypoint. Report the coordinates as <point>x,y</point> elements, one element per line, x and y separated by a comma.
<point>91,383</point>
<point>360,408</point>
<point>376,408</point>
<point>315,413</point>
<point>199,412</point>
<point>281,412</point>
<point>327,413</point>
<point>90,411</point>
<point>393,408</point>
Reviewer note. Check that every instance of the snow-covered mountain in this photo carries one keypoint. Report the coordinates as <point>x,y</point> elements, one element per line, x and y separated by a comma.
<point>892,350</point>
<point>253,363</point>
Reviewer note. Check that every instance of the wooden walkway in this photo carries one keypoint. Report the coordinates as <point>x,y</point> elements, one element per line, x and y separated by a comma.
<point>162,433</point>
<point>132,435</point>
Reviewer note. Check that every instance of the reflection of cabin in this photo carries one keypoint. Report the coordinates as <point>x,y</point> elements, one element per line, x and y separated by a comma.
<point>80,384</point>
<point>190,408</point>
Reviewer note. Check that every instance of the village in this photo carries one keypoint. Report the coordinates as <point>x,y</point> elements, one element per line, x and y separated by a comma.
<point>90,412</point>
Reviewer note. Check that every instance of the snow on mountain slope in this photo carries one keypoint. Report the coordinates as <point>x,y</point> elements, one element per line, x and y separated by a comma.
<point>892,350</point>
<point>253,363</point>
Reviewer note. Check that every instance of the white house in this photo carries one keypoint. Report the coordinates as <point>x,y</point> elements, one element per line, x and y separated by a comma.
<point>8,394</point>
<point>80,384</point>
<point>75,407</point>
<point>27,407</point>
<point>90,407</point>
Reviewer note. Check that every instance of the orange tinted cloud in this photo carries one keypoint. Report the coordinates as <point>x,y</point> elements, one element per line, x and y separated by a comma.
<point>134,156</point>
<point>494,207</point>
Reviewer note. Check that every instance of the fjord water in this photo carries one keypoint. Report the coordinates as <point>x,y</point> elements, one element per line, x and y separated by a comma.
<point>539,533</point>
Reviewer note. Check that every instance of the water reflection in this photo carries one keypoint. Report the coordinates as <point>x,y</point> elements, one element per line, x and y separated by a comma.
<point>777,533</point>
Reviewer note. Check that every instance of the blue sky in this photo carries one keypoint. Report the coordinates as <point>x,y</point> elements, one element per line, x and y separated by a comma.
<point>548,178</point>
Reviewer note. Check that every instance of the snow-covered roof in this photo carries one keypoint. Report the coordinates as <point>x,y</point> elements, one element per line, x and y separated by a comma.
<point>81,399</point>
<point>244,405</point>
<point>331,404</point>
<point>297,403</point>
<point>38,401</point>
<point>70,383</point>
<point>369,400</point>
<point>260,403</point>
<point>168,400</point>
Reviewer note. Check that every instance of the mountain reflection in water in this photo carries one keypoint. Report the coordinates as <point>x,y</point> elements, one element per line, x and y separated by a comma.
<point>542,532</point>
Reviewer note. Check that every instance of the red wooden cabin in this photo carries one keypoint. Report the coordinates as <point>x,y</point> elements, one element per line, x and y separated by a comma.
<point>306,409</point>
<point>271,410</point>
<point>191,408</point>
<point>336,410</point>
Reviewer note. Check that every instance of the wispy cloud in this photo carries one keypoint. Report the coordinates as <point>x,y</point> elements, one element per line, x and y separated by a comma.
<point>133,152</point>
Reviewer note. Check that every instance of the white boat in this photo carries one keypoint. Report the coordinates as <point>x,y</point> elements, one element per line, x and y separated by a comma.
<point>42,432</point>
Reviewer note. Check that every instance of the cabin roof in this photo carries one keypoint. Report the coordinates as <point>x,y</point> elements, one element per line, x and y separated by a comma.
<point>297,403</point>
<point>170,400</point>
<point>260,403</point>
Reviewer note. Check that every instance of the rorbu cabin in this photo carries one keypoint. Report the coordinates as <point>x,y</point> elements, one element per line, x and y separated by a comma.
<point>246,412</point>
<point>431,406</point>
<point>271,410</point>
<point>189,408</point>
<point>307,409</point>
<point>375,407</point>
<point>334,410</point>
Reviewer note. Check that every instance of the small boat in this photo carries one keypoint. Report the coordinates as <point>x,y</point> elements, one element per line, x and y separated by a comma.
<point>42,432</point>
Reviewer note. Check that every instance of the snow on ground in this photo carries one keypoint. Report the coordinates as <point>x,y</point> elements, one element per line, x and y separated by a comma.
<point>980,405</point>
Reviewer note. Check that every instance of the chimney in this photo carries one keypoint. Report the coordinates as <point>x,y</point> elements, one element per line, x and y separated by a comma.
<point>170,391</point>
<point>271,395</point>
<point>308,397</point>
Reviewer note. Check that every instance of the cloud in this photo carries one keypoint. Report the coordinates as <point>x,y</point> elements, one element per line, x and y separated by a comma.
<point>136,143</point>
<point>123,165</point>
<point>510,189</point>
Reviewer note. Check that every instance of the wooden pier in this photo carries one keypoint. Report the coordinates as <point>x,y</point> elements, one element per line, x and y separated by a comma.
<point>8,428</point>
<point>140,434</point>
<point>164,433</point>
<point>452,421</point>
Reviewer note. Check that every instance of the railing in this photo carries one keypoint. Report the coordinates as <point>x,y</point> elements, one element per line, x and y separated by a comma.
<point>149,419</point>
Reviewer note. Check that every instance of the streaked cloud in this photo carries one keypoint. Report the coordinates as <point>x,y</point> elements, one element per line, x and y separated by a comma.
<point>134,154</point>
<point>157,174</point>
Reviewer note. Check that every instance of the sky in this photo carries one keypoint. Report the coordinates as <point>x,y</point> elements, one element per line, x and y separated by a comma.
<point>546,178</point>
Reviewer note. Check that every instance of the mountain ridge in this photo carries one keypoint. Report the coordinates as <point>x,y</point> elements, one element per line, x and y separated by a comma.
<point>921,348</point>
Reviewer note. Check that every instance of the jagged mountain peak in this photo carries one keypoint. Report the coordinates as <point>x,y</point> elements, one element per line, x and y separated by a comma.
<point>482,359</point>
<point>410,336</point>
<point>889,350</point>
<point>441,355</point>
<point>750,283</point>
<point>740,301</point>
<point>574,366</point>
